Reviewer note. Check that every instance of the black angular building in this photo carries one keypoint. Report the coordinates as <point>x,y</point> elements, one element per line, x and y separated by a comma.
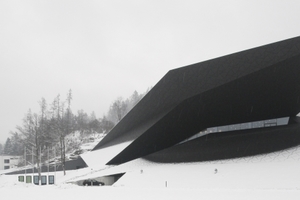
<point>237,105</point>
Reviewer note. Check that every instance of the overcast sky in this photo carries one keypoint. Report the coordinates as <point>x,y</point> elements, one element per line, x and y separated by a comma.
<point>105,49</point>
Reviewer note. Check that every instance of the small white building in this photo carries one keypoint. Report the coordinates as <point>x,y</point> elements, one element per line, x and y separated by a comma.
<point>8,162</point>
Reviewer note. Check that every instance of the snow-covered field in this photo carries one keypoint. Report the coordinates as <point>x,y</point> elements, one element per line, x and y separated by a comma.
<point>269,176</point>
<point>79,193</point>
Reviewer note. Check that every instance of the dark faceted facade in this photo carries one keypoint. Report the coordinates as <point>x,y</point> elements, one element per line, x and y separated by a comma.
<point>256,84</point>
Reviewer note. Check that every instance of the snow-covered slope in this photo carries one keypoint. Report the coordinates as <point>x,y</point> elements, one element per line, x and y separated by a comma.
<point>269,176</point>
<point>277,170</point>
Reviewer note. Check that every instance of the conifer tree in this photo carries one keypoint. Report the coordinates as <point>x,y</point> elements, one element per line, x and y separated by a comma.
<point>7,147</point>
<point>1,149</point>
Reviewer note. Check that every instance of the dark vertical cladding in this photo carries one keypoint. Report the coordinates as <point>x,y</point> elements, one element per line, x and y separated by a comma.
<point>255,84</point>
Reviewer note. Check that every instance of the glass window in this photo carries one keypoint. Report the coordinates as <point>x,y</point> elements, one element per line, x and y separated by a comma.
<point>6,160</point>
<point>51,180</point>
<point>213,130</point>
<point>282,121</point>
<point>242,126</point>
<point>44,180</point>
<point>21,178</point>
<point>6,167</point>
<point>270,122</point>
<point>28,179</point>
<point>257,124</point>
<point>36,180</point>
<point>222,128</point>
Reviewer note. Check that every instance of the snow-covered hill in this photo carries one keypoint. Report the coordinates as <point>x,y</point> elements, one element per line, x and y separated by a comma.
<point>269,176</point>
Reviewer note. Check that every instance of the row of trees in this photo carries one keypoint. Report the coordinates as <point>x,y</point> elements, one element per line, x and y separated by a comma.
<point>49,127</point>
<point>43,130</point>
<point>120,107</point>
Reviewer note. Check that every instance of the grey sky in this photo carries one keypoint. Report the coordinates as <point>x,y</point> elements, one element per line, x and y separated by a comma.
<point>105,49</point>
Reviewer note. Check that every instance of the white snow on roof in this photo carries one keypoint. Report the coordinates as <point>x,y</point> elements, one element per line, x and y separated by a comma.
<point>98,158</point>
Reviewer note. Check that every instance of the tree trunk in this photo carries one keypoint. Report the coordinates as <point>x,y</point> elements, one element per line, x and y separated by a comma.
<point>63,154</point>
<point>37,158</point>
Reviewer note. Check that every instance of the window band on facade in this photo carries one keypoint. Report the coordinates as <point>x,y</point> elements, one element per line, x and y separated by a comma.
<point>242,126</point>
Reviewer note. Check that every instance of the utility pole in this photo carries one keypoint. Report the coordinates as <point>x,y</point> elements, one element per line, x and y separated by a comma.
<point>54,165</point>
<point>25,164</point>
<point>32,161</point>
<point>48,161</point>
<point>40,161</point>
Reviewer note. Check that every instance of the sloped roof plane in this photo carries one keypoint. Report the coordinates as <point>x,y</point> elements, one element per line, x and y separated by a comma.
<point>255,84</point>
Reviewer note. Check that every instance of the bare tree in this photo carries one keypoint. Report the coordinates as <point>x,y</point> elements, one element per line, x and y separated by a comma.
<point>66,128</point>
<point>32,131</point>
<point>133,100</point>
<point>117,110</point>
<point>58,108</point>
<point>62,118</point>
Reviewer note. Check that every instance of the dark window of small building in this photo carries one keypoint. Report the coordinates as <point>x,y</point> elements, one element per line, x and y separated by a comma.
<point>6,160</point>
<point>51,180</point>
<point>36,180</point>
<point>44,180</point>
<point>28,179</point>
<point>6,167</point>
<point>21,178</point>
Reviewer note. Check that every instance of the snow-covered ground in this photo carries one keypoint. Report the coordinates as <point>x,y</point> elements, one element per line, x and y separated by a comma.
<point>269,176</point>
